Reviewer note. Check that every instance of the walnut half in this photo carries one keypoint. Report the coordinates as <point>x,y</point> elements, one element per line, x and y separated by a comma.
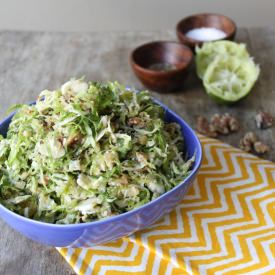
<point>250,142</point>
<point>225,124</point>
<point>263,120</point>
<point>205,128</point>
<point>261,148</point>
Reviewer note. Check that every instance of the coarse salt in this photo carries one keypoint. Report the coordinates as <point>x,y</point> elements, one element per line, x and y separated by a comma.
<point>206,34</point>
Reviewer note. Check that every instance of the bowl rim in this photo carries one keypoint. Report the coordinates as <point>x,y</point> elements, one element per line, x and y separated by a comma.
<point>194,171</point>
<point>161,73</point>
<point>183,34</point>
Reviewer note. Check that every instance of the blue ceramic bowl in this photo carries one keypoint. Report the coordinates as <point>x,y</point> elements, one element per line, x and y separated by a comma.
<point>98,232</point>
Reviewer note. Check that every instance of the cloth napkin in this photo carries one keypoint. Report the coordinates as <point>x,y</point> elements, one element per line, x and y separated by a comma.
<point>225,224</point>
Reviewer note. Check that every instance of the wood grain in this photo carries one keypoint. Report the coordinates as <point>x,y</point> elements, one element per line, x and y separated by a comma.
<point>33,61</point>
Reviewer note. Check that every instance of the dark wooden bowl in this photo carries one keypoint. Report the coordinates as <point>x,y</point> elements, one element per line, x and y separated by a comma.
<point>206,20</point>
<point>177,55</point>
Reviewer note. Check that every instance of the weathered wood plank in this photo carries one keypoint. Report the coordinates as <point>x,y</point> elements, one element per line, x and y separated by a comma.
<point>33,61</point>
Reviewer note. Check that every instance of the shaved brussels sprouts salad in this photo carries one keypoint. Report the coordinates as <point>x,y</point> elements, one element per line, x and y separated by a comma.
<point>88,151</point>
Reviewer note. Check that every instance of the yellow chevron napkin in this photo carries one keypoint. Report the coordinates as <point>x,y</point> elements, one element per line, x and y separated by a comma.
<point>224,225</point>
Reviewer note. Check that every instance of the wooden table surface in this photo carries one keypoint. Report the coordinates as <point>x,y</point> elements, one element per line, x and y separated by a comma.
<point>33,61</point>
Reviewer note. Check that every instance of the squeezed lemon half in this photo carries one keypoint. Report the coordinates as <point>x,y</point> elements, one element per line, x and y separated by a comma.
<point>230,78</point>
<point>227,70</point>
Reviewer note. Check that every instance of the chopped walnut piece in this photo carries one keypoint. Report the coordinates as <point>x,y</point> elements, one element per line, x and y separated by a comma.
<point>247,142</point>
<point>250,137</point>
<point>172,128</point>
<point>250,142</point>
<point>44,180</point>
<point>73,139</point>
<point>205,128</point>
<point>224,124</point>
<point>141,157</point>
<point>263,120</point>
<point>123,180</point>
<point>233,124</point>
<point>220,124</point>
<point>142,140</point>
<point>260,148</point>
<point>247,147</point>
<point>135,121</point>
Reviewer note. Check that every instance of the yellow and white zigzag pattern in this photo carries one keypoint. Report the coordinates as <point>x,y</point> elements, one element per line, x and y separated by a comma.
<point>224,225</point>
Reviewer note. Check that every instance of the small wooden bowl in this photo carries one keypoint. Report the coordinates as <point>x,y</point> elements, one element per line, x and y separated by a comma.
<point>206,20</point>
<point>176,56</point>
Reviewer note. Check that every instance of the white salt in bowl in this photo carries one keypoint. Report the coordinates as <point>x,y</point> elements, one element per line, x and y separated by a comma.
<point>196,29</point>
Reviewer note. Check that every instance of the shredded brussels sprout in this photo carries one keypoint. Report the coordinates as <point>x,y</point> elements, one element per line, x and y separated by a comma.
<point>88,151</point>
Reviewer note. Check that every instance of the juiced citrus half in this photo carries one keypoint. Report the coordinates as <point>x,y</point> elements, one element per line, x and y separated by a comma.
<point>210,50</point>
<point>229,78</point>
